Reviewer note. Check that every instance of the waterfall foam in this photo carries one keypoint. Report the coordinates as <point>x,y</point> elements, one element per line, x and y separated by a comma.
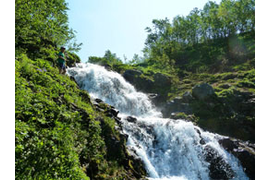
<point>112,88</point>
<point>170,149</point>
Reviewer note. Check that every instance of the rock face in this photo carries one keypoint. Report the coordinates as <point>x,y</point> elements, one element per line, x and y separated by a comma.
<point>158,84</point>
<point>221,114</point>
<point>218,168</point>
<point>116,142</point>
<point>183,104</point>
<point>202,91</point>
<point>157,99</point>
<point>130,74</point>
<point>141,83</point>
<point>175,106</point>
<point>244,151</point>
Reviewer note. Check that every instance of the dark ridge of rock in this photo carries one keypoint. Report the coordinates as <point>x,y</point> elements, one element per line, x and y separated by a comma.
<point>131,119</point>
<point>202,91</point>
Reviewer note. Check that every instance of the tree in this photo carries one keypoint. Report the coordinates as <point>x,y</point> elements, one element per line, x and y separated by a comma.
<point>200,37</point>
<point>42,23</point>
<point>111,57</point>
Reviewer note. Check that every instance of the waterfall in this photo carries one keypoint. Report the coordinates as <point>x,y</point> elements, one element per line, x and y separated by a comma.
<point>170,149</point>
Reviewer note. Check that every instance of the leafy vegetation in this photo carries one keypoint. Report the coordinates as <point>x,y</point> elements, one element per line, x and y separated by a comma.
<point>42,26</point>
<point>209,40</point>
<point>44,127</point>
<point>59,133</point>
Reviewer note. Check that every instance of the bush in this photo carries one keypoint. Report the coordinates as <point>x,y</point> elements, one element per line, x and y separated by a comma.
<point>50,135</point>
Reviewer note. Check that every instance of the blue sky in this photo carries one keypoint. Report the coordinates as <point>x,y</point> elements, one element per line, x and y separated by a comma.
<point>119,25</point>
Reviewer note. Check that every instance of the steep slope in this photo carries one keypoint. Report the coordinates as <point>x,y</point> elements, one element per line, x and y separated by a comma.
<point>60,133</point>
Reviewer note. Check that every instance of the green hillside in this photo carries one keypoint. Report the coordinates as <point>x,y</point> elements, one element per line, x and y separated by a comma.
<point>59,133</point>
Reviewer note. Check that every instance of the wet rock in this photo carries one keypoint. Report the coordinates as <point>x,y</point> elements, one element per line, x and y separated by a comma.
<point>131,119</point>
<point>111,112</point>
<point>202,141</point>
<point>118,120</point>
<point>135,163</point>
<point>218,168</point>
<point>244,151</point>
<point>98,100</point>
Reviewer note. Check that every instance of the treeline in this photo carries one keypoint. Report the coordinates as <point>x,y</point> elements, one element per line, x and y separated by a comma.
<point>217,38</point>
<point>211,36</point>
<point>109,58</point>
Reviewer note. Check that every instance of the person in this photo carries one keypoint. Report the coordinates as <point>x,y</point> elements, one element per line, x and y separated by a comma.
<point>62,61</point>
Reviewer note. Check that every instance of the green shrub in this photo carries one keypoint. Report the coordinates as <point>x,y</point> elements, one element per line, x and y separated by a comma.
<point>50,135</point>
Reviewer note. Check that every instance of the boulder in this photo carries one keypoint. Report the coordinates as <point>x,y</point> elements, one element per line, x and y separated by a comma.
<point>141,83</point>
<point>162,80</point>
<point>131,75</point>
<point>157,82</point>
<point>98,100</point>
<point>202,91</point>
<point>110,112</point>
<point>131,119</point>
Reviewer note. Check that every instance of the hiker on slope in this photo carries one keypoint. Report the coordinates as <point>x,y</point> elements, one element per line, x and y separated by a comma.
<point>62,61</point>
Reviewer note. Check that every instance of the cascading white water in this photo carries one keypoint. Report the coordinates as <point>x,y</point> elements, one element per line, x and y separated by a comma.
<point>170,149</point>
<point>112,88</point>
